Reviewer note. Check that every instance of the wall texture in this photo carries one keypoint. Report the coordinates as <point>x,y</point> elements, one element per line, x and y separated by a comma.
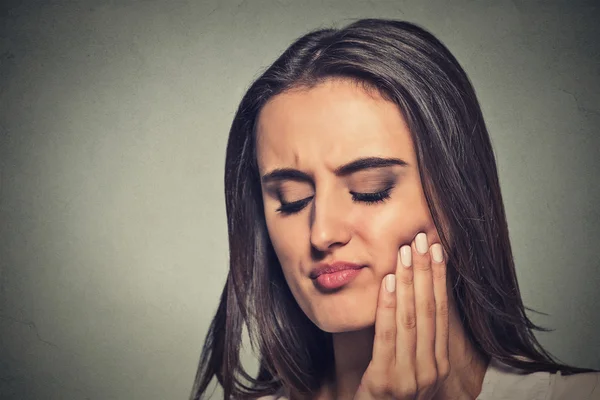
<point>113,121</point>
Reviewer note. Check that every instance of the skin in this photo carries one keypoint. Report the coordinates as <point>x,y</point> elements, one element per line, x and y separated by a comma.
<point>316,131</point>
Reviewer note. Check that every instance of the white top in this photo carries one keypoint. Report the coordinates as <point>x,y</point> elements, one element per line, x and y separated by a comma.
<point>503,382</point>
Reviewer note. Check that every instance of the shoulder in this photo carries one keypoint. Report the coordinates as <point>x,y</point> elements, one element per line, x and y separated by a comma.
<point>577,386</point>
<point>505,382</point>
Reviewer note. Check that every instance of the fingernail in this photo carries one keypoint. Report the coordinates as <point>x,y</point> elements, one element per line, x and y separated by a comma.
<point>390,283</point>
<point>436,253</point>
<point>421,242</point>
<point>406,256</point>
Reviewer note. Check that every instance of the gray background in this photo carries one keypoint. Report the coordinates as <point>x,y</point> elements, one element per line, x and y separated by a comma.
<point>114,120</point>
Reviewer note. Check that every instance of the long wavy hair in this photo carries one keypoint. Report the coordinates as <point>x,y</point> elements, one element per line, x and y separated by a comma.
<point>410,67</point>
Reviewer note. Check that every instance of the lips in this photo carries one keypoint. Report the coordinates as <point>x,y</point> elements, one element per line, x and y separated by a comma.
<point>331,268</point>
<point>336,275</point>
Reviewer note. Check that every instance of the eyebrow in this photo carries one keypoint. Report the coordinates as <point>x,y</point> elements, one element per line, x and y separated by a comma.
<point>360,164</point>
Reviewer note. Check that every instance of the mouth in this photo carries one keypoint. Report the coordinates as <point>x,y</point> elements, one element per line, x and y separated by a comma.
<point>328,277</point>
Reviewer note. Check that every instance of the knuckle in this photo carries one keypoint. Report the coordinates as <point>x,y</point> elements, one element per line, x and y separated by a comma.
<point>387,302</point>
<point>428,308</point>
<point>377,386</point>
<point>406,389</point>
<point>442,308</point>
<point>424,264</point>
<point>443,370</point>
<point>439,272</point>
<point>427,379</point>
<point>406,279</point>
<point>426,383</point>
<point>386,335</point>
<point>409,320</point>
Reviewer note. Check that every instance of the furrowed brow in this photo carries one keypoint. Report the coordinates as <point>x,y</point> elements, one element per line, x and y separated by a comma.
<point>368,163</point>
<point>286,174</point>
<point>290,174</point>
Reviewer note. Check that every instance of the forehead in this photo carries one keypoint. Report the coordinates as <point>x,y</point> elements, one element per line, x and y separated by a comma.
<point>328,125</point>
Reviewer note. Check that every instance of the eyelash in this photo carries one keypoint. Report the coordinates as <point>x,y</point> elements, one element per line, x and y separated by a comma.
<point>367,198</point>
<point>371,198</point>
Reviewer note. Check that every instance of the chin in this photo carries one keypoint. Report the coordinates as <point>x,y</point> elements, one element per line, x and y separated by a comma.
<point>339,327</point>
<point>347,321</point>
<point>345,311</point>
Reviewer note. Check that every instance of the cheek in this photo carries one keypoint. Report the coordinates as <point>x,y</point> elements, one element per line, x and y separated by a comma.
<point>387,227</point>
<point>286,234</point>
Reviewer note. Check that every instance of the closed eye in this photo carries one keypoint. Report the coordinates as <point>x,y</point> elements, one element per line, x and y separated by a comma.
<point>294,206</point>
<point>367,198</point>
<point>371,198</point>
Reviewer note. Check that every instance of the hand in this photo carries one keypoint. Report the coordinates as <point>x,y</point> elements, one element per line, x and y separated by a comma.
<point>410,350</point>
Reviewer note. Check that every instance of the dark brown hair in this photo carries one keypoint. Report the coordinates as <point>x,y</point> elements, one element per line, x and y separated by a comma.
<point>410,67</point>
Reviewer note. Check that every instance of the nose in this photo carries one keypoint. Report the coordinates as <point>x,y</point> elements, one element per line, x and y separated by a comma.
<point>329,224</point>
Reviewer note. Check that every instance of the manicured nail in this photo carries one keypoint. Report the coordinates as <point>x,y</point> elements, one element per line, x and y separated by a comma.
<point>436,253</point>
<point>421,242</point>
<point>406,256</point>
<point>390,283</point>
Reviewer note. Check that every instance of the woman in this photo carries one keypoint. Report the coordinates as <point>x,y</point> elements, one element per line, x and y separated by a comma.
<point>369,252</point>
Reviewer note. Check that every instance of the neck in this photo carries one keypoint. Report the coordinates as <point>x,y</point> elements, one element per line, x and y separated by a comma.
<point>353,351</point>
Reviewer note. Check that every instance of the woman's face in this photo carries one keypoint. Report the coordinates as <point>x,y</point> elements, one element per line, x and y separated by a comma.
<point>340,184</point>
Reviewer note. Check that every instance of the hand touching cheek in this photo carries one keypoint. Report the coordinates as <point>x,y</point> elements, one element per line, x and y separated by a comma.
<point>410,349</point>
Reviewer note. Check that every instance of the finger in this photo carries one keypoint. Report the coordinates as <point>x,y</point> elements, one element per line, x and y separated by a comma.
<point>426,369</point>
<point>406,335</point>
<point>375,382</point>
<point>441,311</point>
<point>385,330</point>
